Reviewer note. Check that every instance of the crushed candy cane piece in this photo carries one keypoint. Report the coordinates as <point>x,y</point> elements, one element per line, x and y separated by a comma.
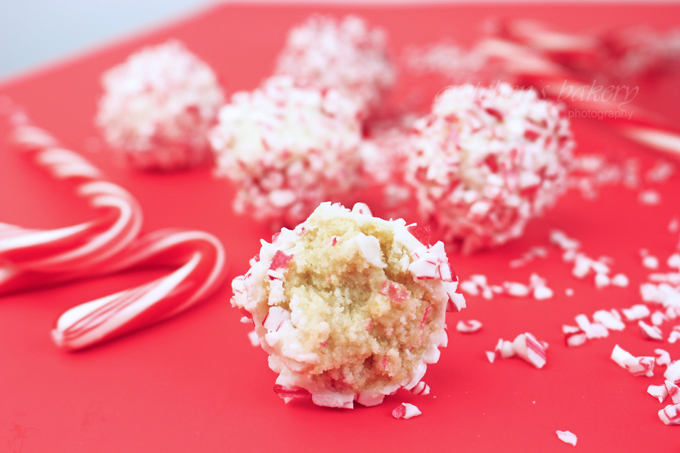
<point>516,289</point>
<point>252,336</point>
<point>567,437</point>
<point>659,392</point>
<point>569,292</point>
<point>649,197</point>
<point>664,358</point>
<point>636,312</point>
<point>620,355</point>
<point>602,280</point>
<point>542,293</point>
<point>658,318</point>
<point>527,347</point>
<point>574,336</point>
<point>421,389</point>
<point>650,332</point>
<point>674,336</point>
<point>650,262</point>
<point>640,366</point>
<point>620,280</point>
<point>670,414</point>
<point>491,356</point>
<point>673,372</point>
<point>610,319</point>
<point>468,326</point>
<point>673,391</point>
<point>505,348</point>
<point>406,411</point>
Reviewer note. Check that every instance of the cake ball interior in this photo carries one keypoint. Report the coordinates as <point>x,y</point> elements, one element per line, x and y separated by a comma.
<point>358,308</point>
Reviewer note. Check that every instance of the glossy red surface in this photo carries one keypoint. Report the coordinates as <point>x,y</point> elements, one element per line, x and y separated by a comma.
<point>194,383</point>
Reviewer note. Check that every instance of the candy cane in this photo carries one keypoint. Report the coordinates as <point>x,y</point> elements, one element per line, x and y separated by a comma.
<point>79,246</point>
<point>532,68</point>
<point>105,245</point>
<point>200,274</point>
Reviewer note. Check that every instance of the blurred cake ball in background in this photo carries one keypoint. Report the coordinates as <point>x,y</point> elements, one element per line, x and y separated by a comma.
<point>487,160</point>
<point>287,147</point>
<point>346,55</point>
<point>158,107</point>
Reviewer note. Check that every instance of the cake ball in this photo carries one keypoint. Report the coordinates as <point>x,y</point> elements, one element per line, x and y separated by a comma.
<point>158,107</point>
<point>346,55</point>
<point>349,307</point>
<point>486,160</point>
<point>287,147</point>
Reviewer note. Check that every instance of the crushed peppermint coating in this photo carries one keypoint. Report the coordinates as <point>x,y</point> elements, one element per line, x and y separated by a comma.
<point>567,437</point>
<point>406,411</point>
<point>287,147</point>
<point>470,326</point>
<point>354,321</point>
<point>487,160</point>
<point>158,107</point>
<point>346,55</point>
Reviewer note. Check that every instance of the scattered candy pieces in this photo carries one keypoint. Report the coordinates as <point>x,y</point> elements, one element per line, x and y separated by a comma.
<point>567,437</point>
<point>406,411</point>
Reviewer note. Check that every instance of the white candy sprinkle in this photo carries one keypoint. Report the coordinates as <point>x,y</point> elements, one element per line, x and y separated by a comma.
<point>567,437</point>
<point>569,292</point>
<point>491,356</point>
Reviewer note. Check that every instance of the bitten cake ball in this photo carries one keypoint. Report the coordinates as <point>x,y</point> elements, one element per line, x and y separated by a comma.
<point>158,106</point>
<point>349,307</point>
<point>287,147</point>
<point>346,55</point>
<point>486,160</point>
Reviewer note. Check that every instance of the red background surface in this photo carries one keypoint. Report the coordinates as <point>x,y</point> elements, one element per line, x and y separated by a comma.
<point>194,383</point>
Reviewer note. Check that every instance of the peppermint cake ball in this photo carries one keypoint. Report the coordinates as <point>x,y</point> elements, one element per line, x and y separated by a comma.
<point>349,307</point>
<point>346,55</point>
<point>287,147</point>
<point>158,106</point>
<point>486,160</point>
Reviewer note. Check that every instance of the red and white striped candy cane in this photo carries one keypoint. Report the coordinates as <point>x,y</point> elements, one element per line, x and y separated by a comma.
<point>110,243</point>
<point>201,271</point>
<point>532,68</point>
<point>79,246</point>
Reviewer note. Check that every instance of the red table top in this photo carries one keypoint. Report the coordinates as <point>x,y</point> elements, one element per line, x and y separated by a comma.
<point>194,383</point>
